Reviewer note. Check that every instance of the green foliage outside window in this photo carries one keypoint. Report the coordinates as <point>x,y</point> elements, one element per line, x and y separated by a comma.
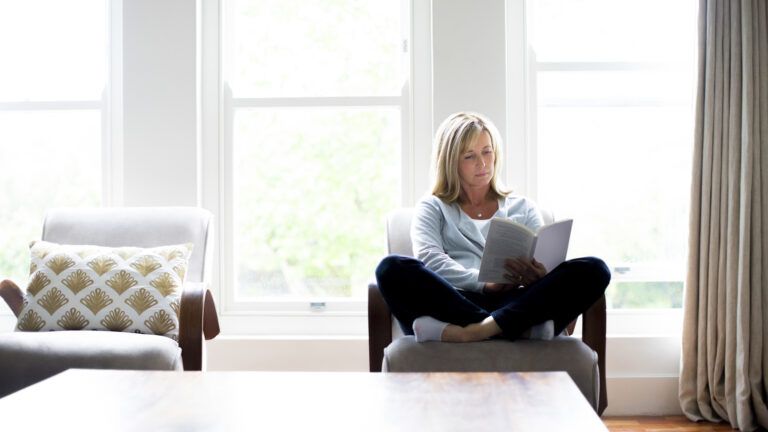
<point>639,295</point>
<point>314,186</point>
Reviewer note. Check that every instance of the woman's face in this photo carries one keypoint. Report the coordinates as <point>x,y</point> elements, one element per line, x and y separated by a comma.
<point>476,163</point>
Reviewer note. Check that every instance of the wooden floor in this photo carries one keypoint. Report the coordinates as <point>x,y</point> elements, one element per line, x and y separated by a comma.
<point>662,424</point>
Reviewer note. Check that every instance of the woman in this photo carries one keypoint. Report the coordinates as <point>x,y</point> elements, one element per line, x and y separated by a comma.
<point>438,296</point>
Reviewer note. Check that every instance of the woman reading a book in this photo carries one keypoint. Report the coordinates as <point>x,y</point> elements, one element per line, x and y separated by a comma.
<point>437,296</point>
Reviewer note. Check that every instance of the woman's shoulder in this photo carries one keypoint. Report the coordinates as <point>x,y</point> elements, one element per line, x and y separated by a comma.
<point>432,202</point>
<point>515,201</point>
<point>431,206</point>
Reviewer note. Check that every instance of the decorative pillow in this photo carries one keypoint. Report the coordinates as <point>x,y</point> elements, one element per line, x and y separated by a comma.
<point>125,289</point>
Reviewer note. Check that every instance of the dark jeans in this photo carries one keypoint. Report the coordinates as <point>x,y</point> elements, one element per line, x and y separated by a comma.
<point>411,290</point>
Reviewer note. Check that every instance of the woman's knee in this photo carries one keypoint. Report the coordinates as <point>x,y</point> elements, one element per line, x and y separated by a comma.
<point>594,270</point>
<point>393,266</point>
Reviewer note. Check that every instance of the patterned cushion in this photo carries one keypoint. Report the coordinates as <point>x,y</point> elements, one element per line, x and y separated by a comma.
<point>126,289</point>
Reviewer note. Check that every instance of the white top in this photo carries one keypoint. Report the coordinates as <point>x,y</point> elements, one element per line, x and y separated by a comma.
<point>482,226</point>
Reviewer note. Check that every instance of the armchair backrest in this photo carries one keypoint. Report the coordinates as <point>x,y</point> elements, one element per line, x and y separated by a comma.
<point>139,227</point>
<point>399,231</point>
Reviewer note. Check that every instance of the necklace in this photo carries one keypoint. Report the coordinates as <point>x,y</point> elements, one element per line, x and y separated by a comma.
<point>478,209</point>
<point>478,212</point>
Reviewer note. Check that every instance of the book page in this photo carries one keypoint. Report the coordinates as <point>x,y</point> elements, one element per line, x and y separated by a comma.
<point>552,243</point>
<point>506,239</point>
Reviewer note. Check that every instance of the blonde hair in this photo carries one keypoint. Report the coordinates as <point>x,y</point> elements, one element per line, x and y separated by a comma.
<point>453,138</point>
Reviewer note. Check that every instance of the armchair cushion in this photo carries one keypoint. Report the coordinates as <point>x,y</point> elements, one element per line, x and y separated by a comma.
<point>125,289</point>
<point>21,362</point>
<point>563,353</point>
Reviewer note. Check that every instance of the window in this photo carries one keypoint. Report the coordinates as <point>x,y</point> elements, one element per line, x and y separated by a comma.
<point>613,108</point>
<point>313,101</point>
<point>51,116</point>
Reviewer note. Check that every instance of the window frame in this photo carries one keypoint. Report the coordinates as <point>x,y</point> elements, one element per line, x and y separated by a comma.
<point>522,103</point>
<point>305,316</point>
<point>621,272</point>
<point>109,107</point>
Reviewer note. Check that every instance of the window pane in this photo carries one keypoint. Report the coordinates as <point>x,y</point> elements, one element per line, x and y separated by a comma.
<point>52,50</point>
<point>311,188</point>
<point>668,86</point>
<point>614,30</point>
<point>50,158</point>
<point>282,48</point>
<point>615,135</point>
<point>623,174</point>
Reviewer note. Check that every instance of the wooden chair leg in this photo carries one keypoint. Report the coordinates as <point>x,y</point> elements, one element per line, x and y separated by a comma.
<point>379,327</point>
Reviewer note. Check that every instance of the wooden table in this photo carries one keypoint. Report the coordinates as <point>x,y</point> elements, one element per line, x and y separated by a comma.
<point>290,401</point>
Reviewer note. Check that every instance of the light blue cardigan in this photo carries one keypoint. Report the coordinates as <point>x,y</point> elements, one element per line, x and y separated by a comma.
<point>451,245</point>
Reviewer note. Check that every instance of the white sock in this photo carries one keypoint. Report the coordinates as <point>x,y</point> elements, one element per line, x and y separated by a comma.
<point>543,331</point>
<point>426,328</point>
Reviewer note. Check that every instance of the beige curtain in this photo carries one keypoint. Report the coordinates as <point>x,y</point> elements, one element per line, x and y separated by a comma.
<point>725,333</point>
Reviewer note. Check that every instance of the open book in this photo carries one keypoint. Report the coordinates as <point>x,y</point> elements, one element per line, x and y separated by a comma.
<point>507,239</point>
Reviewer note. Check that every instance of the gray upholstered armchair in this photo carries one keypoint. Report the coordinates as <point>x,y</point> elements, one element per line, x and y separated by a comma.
<point>390,350</point>
<point>26,358</point>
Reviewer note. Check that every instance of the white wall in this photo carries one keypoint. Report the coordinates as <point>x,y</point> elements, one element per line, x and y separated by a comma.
<point>160,92</point>
<point>469,59</point>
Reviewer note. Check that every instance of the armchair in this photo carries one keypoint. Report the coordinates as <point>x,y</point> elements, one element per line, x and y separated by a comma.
<point>26,358</point>
<point>390,350</point>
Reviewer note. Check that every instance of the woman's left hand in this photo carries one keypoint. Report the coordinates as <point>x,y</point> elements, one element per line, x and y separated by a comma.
<point>523,271</point>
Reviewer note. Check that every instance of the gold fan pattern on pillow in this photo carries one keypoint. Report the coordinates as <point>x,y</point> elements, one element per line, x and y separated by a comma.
<point>124,289</point>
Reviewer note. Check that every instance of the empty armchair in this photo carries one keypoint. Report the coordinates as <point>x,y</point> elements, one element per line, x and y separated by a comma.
<point>27,357</point>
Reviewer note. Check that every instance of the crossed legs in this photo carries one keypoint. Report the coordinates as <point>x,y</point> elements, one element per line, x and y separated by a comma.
<point>412,291</point>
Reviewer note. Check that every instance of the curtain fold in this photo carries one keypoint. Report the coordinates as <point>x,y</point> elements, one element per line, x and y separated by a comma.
<point>725,336</point>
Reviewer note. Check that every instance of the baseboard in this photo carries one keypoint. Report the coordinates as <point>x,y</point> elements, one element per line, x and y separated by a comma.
<point>285,353</point>
<point>643,396</point>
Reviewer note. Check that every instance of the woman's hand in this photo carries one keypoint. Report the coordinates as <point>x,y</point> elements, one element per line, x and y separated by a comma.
<point>522,271</point>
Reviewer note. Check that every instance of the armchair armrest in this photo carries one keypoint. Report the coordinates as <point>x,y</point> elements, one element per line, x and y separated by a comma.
<point>593,331</point>
<point>11,293</point>
<point>197,320</point>
<point>379,327</point>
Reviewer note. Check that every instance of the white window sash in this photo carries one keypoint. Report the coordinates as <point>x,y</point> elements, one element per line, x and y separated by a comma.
<point>218,107</point>
<point>523,101</point>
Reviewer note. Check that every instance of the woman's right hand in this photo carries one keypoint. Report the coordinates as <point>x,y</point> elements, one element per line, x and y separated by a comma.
<point>497,288</point>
